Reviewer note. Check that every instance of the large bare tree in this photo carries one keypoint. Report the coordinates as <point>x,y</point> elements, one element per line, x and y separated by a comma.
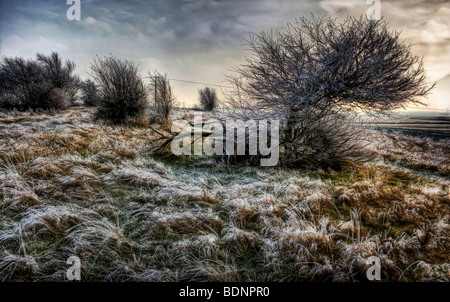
<point>317,70</point>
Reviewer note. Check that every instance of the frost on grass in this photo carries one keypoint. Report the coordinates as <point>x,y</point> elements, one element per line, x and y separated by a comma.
<point>416,152</point>
<point>72,187</point>
<point>17,193</point>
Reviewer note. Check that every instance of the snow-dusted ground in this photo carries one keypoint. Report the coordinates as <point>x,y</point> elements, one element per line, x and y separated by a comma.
<point>72,187</point>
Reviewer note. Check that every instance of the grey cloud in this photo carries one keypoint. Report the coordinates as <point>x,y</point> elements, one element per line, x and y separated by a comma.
<point>194,39</point>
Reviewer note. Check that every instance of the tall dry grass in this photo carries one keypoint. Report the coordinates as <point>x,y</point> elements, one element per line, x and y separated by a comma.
<point>71,187</point>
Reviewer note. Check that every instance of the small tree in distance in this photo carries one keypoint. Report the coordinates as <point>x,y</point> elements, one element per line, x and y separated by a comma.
<point>316,73</point>
<point>163,98</point>
<point>122,94</point>
<point>208,98</point>
<point>89,95</point>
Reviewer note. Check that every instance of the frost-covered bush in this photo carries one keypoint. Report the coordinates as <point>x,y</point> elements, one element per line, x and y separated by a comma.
<point>44,83</point>
<point>122,94</point>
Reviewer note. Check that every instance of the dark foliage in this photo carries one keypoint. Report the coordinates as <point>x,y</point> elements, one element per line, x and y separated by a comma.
<point>59,73</point>
<point>122,94</point>
<point>208,98</point>
<point>44,83</point>
<point>89,96</point>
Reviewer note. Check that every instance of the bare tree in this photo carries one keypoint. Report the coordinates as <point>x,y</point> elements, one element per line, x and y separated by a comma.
<point>208,98</point>
<point>163,97</point>
<point>123,96</point>
<point>319,69</point>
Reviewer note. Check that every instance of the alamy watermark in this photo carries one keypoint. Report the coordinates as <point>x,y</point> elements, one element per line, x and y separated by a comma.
<point>374,270</point>
<point>74,272</point>
<point>232,137</point>
<point>374,12</point>
<point>74,12</point>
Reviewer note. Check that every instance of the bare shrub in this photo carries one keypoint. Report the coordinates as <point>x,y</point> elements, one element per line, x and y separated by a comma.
<point>318,70</point>
<point>325,141</point>
<point>59,73</point>
<point>22,84</point>
<point>163,98</point>
<point>208,98</point>
<point>57,98</point>
<point>122,93</point>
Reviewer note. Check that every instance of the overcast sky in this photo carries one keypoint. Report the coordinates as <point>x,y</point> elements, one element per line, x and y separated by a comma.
<point>200,40</point>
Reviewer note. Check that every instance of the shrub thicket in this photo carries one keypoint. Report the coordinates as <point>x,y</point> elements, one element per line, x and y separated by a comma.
<point>44,83</point>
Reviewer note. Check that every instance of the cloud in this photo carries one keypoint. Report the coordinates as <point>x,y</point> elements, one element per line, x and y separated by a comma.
<point>342,8</point>
<point>95,25</point>
<point>62,46</point>
<point>196,39</point>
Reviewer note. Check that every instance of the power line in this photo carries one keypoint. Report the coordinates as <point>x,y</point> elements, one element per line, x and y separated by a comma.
<point>206,84</point>
<point>193,82</point>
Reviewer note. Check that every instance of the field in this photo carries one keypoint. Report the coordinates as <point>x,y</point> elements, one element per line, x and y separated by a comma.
<point>433,124</point>
<point>72,187</point>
